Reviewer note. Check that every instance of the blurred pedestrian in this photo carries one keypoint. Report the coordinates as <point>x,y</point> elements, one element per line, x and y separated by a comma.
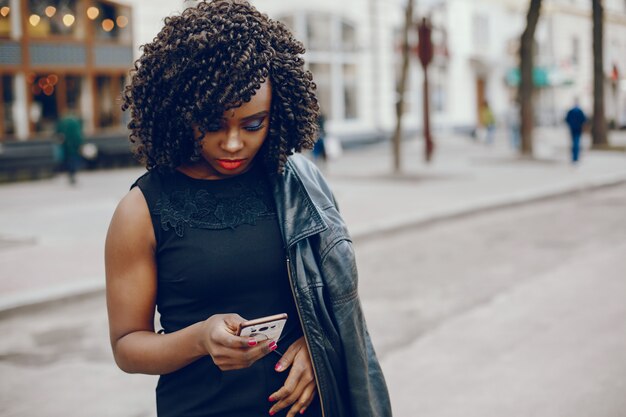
<point>319,149</point>
<point>513,124</point>
<point>488,122</point>
<point>229,224</point>
<point>575,119</point>
<point>69,129</point>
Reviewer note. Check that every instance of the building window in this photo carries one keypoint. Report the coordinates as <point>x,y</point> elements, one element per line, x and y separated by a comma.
<point>288,21</point>
<point>331,43</point>
<point>108,100</point>
<point>575,50</point>
<point>44,110</point>
<point>349,91</point>
<point>318,31</point>
<point>52,96</point>
<point>5,19</point>
<point>73,88</point>
<point>322,79</point>
<point>112,22</point>
<point>54,17</point>
<point>348,36</point>
<point>7,90</point>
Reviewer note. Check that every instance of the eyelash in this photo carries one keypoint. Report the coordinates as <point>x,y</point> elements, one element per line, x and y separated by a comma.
<point>254,128</point>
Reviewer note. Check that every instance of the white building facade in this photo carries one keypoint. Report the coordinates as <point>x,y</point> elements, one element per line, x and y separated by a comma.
<point>353,51</point>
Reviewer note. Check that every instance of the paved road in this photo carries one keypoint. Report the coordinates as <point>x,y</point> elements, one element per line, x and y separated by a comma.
<point>516,312</point>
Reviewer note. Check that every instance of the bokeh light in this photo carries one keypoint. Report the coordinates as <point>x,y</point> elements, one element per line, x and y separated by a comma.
<point>122,21</point>
<point>93,12</point>
<point>34,19</point>
<point>108,25</point>
<point>50,11</point>
<point>68,20</point>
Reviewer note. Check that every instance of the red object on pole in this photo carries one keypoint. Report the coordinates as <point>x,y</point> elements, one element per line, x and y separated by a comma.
<point>425,52</point>
<point>425,49</point>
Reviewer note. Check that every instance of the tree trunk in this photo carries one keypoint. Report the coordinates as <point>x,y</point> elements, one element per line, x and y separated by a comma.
<point>397,135</point>
<point>526,86</point>
<point>598,127</point>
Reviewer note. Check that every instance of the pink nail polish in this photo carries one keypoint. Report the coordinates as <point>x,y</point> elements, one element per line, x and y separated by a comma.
<point>271,399</point>
<point>252,342</point>
<point>277,367</point>
<point>273,347</point>
<point>302,411</point>
<point>272,412</point>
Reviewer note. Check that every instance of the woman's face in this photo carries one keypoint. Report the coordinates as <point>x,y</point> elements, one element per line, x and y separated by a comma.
<point>229,147</point>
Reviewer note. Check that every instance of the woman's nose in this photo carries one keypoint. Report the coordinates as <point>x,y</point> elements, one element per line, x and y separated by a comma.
<point>233,142</point>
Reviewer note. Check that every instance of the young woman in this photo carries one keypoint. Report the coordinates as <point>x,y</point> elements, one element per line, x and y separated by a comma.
<point>229,225</point>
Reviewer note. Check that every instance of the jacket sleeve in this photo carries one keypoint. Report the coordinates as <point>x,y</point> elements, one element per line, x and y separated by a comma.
<point>366,384</point>
<point>367,390</point>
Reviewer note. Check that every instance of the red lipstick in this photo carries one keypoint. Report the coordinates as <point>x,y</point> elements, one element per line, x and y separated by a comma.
<point>230,164</point>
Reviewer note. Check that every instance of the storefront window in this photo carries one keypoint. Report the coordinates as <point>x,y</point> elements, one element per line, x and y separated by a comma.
<point>44,111</point>
<point>53,94</point>
<point>53,17</point>
<point>73,88</point>
<point>112,22</point>
<point>5,18</point>
<point>8,101</point>
<point>108,99</point>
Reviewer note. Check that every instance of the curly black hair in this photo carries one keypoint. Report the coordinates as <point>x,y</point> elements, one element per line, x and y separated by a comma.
<point>209,59</point>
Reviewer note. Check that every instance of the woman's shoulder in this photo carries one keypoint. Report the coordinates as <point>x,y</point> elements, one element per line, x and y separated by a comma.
<point>131,221</point>
<point>132,208</point>
<point>150,179</point>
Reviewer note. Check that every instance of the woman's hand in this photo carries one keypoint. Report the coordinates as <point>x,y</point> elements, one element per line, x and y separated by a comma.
<point>299,389</point>
<point>229,351</point>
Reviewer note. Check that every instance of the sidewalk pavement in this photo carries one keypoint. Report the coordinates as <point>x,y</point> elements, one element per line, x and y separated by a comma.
<point>52,235</point>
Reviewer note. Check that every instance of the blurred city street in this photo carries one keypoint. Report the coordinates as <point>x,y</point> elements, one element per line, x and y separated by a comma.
<point>478,304</point>
<point>491,277</point>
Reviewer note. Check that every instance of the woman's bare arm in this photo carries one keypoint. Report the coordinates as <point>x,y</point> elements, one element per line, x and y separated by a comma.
<point>131,277</point>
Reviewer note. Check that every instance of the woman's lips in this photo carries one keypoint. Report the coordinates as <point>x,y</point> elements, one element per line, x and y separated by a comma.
<point>230,164</point>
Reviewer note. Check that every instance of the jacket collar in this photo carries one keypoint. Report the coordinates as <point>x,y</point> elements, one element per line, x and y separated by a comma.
<point>298,216</point>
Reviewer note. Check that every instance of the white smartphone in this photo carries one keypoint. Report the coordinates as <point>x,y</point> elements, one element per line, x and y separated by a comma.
<point>263,328</point>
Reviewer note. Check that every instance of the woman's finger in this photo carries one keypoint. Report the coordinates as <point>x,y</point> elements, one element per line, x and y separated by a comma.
<point>300,406</point>
<point>288,357</point>
<point>241,355</point>
<point>299,379</point>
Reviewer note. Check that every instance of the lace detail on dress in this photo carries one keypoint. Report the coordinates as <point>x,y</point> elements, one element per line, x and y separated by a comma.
<point>207,210</point>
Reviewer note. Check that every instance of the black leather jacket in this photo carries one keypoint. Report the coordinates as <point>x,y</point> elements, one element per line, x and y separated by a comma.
<point>323,276</point>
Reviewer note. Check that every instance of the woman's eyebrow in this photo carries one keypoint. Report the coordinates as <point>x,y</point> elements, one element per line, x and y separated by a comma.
<point>255,116</point>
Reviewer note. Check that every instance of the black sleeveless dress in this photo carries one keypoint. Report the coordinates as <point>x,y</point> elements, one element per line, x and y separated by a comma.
<point>219,250</point>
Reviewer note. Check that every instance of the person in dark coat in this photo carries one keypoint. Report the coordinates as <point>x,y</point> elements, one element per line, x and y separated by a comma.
<point>575,120</point>
<point>319,149</point>
<point>70,130</point>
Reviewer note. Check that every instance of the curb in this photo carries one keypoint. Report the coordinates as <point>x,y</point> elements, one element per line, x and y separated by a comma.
<point>16,303</point>
<point>390,226</point>
<point>10,305</point>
